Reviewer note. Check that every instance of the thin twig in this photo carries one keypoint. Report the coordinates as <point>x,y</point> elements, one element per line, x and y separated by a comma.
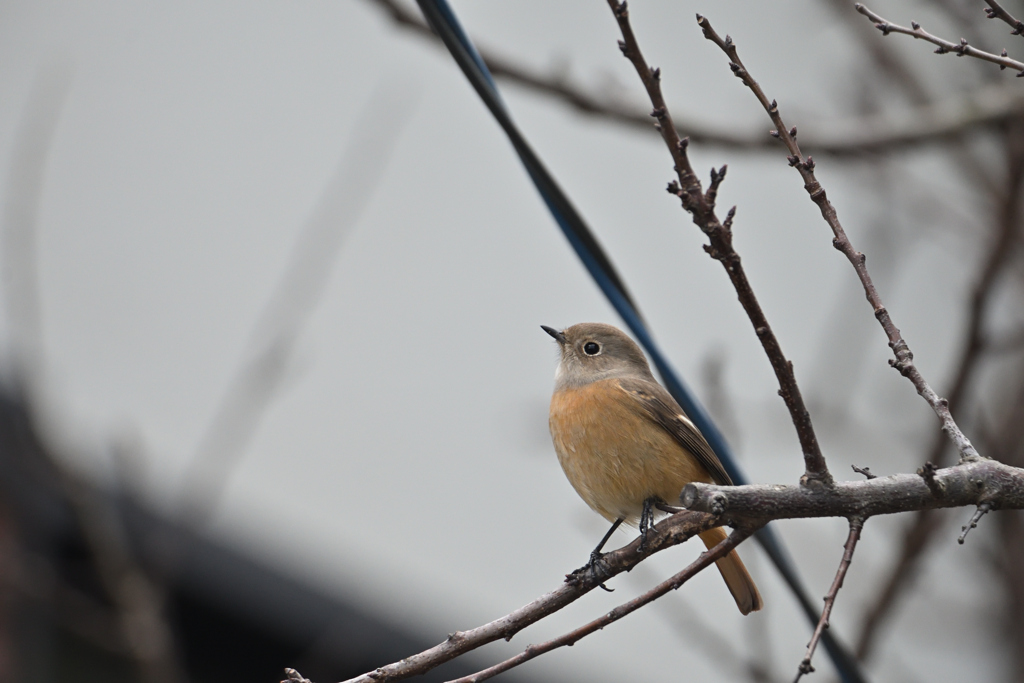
<point>978,514</point>
<point>995,11</point>
<point>904,359</point>
<point>667,533</point>
<point>866,471</point>
<point>959,49</point>
<point>701,206</point>
<point>856,525</point>
<point>572,637</point>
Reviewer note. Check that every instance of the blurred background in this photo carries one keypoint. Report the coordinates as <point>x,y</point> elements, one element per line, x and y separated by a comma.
<point>274,388</point>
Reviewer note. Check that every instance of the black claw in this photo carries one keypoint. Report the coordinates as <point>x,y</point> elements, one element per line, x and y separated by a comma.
<point>647,522</point>
<point>595,567</point>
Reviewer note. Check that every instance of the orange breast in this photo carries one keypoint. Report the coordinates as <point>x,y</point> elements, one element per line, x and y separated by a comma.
<point>613,454</point>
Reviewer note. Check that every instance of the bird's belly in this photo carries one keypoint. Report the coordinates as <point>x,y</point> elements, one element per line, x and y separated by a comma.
<point>614,455</point>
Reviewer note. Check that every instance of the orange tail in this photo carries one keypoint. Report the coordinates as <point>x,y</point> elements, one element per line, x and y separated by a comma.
<point>735,574</point>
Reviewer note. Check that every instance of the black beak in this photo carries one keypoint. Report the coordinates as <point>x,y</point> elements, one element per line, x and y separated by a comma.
<point>559,337</point>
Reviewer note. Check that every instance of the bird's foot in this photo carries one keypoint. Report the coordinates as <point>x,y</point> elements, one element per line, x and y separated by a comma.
<point>596,566</point>
<point>647,522</point>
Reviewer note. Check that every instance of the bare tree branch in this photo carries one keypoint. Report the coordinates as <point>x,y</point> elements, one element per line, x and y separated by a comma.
<point>926,123</point>
<point>667,533</point>
<point>959,49</point>
<point>571,638</point>
<point>856,526</point>
<point>904,359</point>
<point>701,206</point>
<point>971,482</point>
<point>976,482</point>
<point>982,510</point>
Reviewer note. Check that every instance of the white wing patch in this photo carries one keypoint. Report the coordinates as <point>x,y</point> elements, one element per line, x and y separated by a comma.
<point>686,421</point>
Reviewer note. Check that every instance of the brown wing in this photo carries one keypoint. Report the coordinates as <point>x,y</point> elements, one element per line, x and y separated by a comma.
<point>659,405</point>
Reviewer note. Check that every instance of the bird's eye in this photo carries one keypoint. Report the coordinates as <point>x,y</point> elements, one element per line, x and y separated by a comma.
<point>591,348</point>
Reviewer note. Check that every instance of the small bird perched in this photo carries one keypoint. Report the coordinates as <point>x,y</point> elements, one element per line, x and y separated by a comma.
<point>626,445</point>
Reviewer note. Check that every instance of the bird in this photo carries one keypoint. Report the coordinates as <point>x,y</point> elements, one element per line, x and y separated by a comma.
<point>624,443</point>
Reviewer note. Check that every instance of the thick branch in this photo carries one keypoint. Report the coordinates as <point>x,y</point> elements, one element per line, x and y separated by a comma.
<point>572,637</point>
<point>702,207</point>
<point>959,49</point>
<point>667,533</point>
<point>904,359</point>
<point>967,484</point>
<point>856,525</point>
